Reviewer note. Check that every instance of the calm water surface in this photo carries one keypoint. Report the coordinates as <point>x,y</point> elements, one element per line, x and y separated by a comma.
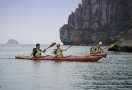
<point>111,73</point>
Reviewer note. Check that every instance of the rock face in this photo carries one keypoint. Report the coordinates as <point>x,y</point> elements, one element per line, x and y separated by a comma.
<point>92,16</point>
<point>125,43</point>
<point>90,37</point>
<point>12,41</point>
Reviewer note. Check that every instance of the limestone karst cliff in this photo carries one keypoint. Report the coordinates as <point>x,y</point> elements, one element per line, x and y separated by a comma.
<point>98,20</point>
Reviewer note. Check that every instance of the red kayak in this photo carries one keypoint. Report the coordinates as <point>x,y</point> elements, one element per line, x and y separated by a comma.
<point>99,54</point>
<point>67,58</point>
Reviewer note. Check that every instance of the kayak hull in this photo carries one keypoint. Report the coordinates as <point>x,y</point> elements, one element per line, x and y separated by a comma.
<point>67,58</point>
<point>100,54</point>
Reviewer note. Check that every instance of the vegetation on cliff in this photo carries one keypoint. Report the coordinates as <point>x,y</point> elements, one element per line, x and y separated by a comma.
<point>124,2</point>
<point>108,26</point>
<point>67,27</point>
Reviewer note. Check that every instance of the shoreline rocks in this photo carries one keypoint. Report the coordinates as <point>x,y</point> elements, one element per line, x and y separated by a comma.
<point>124,44</point>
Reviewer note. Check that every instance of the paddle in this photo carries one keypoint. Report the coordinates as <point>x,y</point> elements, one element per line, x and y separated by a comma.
<point>75,43</point>
<point>48,47</point>
<point>100,43</point>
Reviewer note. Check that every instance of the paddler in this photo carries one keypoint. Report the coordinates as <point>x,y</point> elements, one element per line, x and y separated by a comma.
<point>58,52</point>
<point>98,49</point>
<point>37,51</point>
<point>92,50</point>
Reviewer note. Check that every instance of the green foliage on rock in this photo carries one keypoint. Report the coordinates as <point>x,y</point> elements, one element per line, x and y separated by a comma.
<point>107,26</point>
<point>67,27</point>
<point>123,2</point>
<point>125,24</point>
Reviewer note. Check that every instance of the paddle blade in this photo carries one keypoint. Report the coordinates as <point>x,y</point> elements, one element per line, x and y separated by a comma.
<point>111,46</point>
<point>87,54</point>
<point>77,42</point>
<point>100,43</point>
<point>52,44</point>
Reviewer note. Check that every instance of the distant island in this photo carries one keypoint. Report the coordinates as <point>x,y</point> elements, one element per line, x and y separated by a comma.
<point>12,41</point>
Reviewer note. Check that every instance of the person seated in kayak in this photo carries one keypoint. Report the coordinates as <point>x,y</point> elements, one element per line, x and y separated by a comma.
<point>92,50</point>
<point>58,52</point>
<point>37,51</point>
<point>98,49</point>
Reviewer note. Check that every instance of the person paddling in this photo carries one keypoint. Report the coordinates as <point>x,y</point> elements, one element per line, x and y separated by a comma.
<point>92,50</point>
<point>98,49</point>
<point>58,52</point>
<point>37,51</point>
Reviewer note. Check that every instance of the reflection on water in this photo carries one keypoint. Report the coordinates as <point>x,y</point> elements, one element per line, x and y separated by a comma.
<point>111,73</point>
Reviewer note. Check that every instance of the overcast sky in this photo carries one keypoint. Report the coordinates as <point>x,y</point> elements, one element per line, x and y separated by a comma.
<point>34,21</point>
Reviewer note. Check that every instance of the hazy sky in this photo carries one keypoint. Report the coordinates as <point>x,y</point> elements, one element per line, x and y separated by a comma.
<point>34,21</point>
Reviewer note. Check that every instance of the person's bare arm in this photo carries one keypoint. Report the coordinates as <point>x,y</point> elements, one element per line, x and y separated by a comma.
<point>31,54</point>
<point>53,52</point>
<point>63,50</point>
<point>43,50</point>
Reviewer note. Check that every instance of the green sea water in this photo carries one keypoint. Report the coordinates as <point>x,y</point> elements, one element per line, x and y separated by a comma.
<point>111,73</point>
